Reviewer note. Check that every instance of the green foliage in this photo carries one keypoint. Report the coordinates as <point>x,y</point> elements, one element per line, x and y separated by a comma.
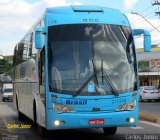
<point>5,66</point>
<point>143,65</point>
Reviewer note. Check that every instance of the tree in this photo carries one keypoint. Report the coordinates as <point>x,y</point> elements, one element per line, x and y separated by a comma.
<point>5,66</point>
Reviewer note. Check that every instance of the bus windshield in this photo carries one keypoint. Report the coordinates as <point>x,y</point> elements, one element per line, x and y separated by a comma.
<point>81,56</point>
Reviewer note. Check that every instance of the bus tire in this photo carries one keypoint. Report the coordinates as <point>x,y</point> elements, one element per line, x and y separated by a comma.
<point>42,131</point>
<point>34,114</point>
<point>20,116</point>
<point>109,130</point>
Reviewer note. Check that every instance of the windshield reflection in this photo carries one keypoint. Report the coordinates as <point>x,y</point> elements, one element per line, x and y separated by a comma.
<point>72,49</point>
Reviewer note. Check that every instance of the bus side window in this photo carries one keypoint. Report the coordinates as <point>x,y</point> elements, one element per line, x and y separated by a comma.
<point>42,67</point>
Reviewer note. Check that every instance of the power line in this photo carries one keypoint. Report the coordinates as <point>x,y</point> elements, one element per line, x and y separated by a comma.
<point>154,28</point>
<point>145,9</point>
<point>156,2</point>
<point>142,20</point>
<point>150,13</point>
<point>146,21</point>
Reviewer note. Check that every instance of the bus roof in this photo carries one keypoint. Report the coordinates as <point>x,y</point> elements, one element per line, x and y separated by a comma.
<point>75,15</point>
<point>79,8</point>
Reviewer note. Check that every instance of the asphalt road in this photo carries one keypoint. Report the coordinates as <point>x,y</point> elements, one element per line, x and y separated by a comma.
<point>8,115</point>
<point>149,107</point>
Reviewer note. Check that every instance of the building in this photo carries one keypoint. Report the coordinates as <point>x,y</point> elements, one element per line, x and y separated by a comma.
<point>149,66</point>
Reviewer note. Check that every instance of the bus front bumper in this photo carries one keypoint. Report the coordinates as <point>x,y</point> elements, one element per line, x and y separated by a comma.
<point>79,120</point>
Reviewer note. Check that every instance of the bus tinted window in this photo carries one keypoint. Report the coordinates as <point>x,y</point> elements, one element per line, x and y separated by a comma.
<point>24,50</point>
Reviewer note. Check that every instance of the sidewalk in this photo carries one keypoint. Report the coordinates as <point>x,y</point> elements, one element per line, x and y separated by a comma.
<point>155,118</point>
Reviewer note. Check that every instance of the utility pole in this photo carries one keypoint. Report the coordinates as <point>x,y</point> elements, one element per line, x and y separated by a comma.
<point>156,3</point>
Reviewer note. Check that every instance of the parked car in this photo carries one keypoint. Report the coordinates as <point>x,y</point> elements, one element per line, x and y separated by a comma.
<point>6,79</point>
<point>7,92</point>
<point>149,93</point>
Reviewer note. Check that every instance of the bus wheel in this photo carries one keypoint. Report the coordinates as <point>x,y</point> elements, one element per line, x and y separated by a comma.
<point>20,116</point>
<point>42,131</point>
<point>34,114</point>
<point>109,130</point>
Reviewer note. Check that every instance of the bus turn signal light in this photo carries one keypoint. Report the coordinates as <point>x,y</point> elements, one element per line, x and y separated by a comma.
<point>134,94</point>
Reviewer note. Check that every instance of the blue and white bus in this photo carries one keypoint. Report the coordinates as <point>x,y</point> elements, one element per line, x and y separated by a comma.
<point>77,68</point>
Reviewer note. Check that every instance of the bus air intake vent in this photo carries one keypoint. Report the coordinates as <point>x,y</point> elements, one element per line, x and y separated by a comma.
<point>86,9</point>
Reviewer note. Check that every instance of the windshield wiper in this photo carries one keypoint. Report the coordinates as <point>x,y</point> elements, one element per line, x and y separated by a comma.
<point>110,84</point>
<point>94,68</point>
<point>85,84</point>
<point>105,76</point>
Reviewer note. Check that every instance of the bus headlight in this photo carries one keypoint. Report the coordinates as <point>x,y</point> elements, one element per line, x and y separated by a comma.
<point>129,106</point>
<point>59,108</point>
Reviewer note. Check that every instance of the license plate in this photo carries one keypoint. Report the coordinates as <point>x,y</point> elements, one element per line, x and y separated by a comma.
<point>96,121</point>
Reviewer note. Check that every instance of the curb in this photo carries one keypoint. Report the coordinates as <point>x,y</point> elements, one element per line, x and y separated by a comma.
<point>155,118</point>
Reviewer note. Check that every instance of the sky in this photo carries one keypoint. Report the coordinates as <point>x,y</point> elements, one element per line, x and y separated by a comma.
<point>17,17</point>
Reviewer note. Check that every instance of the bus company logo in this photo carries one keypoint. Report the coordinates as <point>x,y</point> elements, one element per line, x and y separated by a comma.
<point>76,102</point>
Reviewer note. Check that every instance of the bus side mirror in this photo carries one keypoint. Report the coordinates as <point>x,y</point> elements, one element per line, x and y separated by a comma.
<point>147,38</point>
<point>39,37</point>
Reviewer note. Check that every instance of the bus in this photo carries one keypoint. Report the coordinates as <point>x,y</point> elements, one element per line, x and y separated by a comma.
<point>77,68</point>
